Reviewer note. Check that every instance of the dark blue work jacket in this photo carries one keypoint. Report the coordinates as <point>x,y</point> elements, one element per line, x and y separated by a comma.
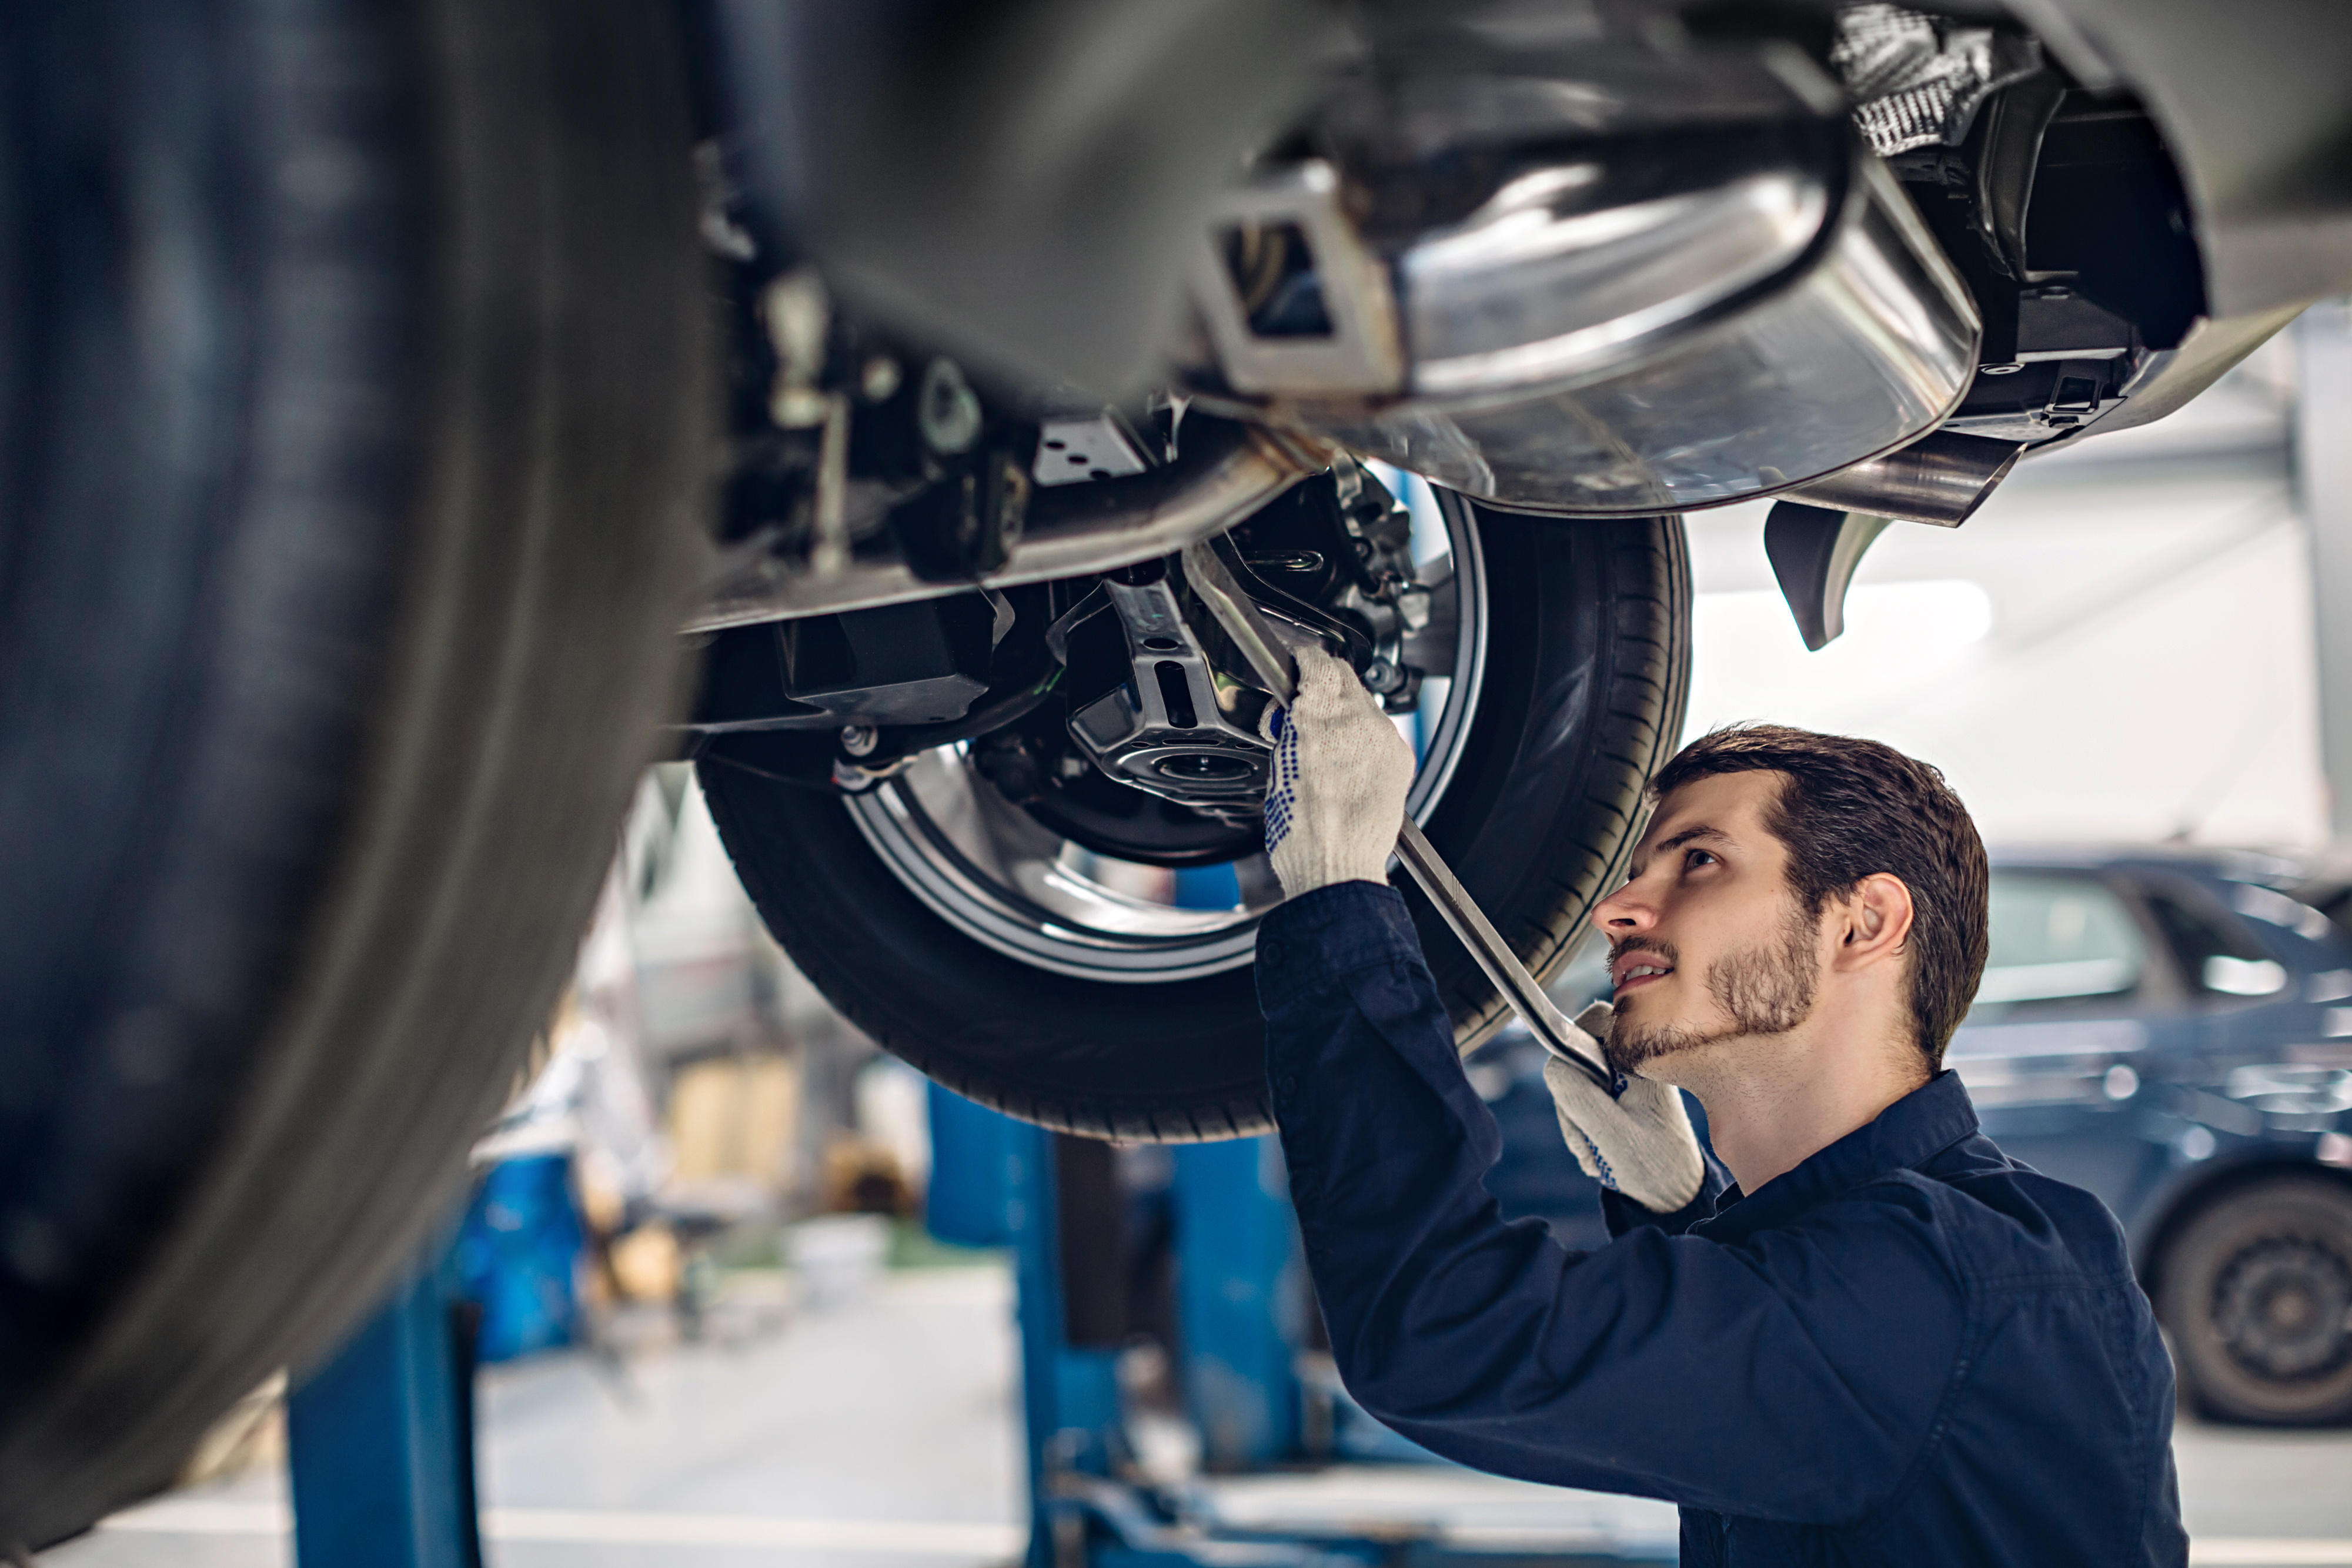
<point>1909,1350</point>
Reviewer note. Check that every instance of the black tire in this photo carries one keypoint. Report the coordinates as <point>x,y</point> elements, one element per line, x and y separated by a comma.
<point>2256,1290</point>
<point>351,416</point>
<point>1587,668</point>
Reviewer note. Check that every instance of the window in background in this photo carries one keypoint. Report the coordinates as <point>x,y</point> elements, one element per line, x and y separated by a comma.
<point>2057,936</point>
<point>2218,959</point>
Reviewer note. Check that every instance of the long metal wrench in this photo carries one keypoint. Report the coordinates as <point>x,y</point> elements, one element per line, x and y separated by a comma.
<point>1271,661</point>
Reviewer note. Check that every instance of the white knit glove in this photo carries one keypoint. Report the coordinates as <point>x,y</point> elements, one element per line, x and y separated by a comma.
<point>1633,1137</point>
<point>1340,773</point>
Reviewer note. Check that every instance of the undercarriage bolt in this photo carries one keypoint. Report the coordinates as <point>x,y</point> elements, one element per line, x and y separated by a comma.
<point>947,411</point>
<point>1383,678</point>
<point>860,739</point>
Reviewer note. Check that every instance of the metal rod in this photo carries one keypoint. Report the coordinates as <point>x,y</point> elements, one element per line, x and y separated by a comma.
<point>1270,659</point>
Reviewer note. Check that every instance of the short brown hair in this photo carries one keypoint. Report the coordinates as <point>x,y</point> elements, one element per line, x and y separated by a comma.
<point>1849,809</point>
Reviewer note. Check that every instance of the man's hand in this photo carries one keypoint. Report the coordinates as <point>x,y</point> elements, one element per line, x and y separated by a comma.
<point>1340,773</point>
<point>1633,1137</point>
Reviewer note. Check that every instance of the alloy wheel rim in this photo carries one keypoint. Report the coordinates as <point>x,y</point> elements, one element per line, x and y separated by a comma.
<point>1002,878</point>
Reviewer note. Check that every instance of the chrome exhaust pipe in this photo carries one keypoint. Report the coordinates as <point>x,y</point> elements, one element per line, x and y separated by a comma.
<point>1939,479</point>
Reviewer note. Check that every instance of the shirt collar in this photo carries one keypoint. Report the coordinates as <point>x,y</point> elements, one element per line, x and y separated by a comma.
<point>1904,1136</point>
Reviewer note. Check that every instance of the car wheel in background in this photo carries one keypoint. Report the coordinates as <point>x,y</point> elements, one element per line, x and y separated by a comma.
<point>352,420</point>
<point>2256,1291</point>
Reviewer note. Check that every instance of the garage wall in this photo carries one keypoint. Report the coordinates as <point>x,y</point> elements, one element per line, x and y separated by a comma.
<point>2118,646</point>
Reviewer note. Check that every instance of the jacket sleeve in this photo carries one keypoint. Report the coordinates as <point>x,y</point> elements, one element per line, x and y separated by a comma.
<point>1757,1379</point>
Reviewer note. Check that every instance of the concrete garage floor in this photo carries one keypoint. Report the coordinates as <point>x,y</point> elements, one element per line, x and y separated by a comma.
<point>883,1435</point>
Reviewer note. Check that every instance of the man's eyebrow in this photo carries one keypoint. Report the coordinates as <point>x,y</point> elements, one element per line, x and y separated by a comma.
<point>1702,833</point>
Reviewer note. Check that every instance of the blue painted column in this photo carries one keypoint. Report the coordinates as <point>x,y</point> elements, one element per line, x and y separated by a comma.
<point>1070,1396</point>
<point>380,1440</point>
<point>1242,1297</point>
<point>976,1158</point>
<point>992,1184</point>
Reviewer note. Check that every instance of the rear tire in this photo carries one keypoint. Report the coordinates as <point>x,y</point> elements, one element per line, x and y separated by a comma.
<point>1587,671</point>
<point>2256,1292</point>
<point>351,428</point>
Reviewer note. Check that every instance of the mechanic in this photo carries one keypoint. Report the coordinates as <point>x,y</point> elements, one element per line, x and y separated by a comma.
<point>1875,1338</point>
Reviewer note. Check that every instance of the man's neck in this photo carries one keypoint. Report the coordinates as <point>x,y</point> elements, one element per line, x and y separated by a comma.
<point>1773,1100</point>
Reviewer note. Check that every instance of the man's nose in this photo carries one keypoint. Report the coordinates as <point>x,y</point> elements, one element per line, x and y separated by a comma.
<point>1624,912</point>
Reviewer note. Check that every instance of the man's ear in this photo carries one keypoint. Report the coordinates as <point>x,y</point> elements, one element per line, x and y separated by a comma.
<point>1874,923</point>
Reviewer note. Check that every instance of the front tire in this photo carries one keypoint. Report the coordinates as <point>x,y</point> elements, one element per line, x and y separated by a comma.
<point>351,434</point>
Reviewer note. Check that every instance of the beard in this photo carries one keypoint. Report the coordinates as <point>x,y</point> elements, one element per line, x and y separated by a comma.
<point>1764,989</point>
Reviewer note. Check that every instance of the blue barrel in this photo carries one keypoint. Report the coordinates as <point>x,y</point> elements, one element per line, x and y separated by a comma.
<point>517,1255</point>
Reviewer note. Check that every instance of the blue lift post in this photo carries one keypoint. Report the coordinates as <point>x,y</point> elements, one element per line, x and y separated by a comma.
<point>1242,1297</point>
<point>380,1440</point>
<point>995,1182</point>
<point>998,1182</point>
<point>992,1185</point>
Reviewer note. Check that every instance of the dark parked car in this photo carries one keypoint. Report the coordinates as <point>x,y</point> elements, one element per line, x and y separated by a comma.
<point>2171,1030</point>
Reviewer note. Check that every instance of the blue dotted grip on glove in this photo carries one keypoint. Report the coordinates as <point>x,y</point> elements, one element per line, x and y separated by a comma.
<point>1589,1154</point>
<point>1282,792</point>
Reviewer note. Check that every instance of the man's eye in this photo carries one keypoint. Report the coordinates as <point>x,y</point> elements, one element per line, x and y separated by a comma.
<point>1696,858</point>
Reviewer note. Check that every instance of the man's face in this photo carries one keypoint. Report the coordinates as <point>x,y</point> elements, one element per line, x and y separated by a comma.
<point>1706,941</point>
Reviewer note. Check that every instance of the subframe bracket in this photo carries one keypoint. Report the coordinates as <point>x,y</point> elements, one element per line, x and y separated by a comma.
<point>1179,727</point>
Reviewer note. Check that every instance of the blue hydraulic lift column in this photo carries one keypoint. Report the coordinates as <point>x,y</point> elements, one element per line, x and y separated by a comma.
<point>1241,1291</point>
<point>992,1184</point>
<point>380,1440</point>
<point>1242,1296</point>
